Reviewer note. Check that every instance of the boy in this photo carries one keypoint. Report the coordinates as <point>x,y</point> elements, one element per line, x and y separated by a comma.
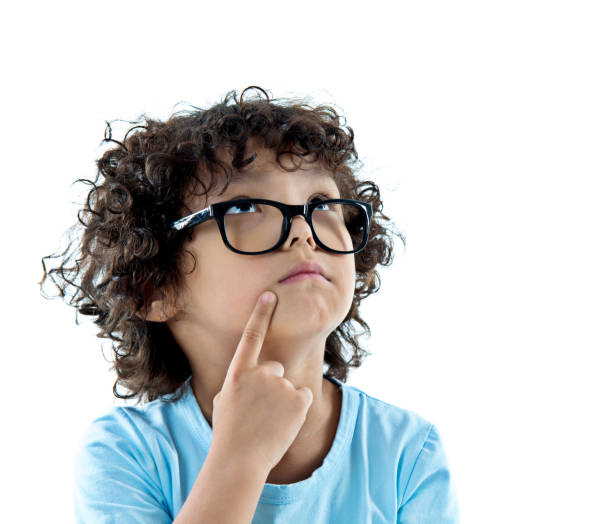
<point>241,423</point>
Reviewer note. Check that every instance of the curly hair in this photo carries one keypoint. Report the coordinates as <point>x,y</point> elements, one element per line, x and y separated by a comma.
<point>126,247</point>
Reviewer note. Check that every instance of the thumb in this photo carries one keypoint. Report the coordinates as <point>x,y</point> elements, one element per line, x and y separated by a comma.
<point>307,394</point>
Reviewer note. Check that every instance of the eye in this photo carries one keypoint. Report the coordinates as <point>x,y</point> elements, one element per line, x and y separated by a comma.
<point>241,207</point>
<point>320,197</point>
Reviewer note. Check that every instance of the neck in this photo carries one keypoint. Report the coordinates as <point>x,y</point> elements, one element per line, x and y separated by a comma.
<point>315,438</point>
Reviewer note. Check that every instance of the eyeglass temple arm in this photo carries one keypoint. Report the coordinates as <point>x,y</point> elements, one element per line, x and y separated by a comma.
<point>193,219</point>
<point>203,215</point>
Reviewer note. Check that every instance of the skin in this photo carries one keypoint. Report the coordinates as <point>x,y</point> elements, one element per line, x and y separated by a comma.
<point>208,318</point>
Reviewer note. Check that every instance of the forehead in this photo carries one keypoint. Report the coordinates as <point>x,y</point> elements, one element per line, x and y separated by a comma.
<point>263,172</point>
<point>258,175</point>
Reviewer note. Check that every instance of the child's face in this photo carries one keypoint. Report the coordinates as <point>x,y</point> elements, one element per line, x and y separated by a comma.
<point>218,297</point>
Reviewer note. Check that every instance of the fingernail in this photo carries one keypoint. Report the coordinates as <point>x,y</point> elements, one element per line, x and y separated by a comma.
<point>267,298</point>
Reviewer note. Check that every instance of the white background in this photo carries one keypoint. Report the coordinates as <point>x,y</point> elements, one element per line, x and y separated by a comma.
<point>487,126</point>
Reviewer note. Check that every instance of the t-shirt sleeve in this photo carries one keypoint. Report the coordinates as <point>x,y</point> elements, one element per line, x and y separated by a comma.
<point>115,476</point>
<point>430,496</point>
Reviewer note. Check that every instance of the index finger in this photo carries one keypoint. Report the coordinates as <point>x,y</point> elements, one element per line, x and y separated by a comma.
<point>250,344</point>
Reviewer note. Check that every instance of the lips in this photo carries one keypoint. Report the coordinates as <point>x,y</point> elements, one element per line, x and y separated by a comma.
<point>305,266</point>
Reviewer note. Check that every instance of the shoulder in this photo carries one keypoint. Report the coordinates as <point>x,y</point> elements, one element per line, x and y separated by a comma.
<point>412,445</point>
<point>125,435</point>
<point>120,465</point>
<point>392,422</point>
<point>134,423</point>
<point>135,437</point>
<point>404,439</point>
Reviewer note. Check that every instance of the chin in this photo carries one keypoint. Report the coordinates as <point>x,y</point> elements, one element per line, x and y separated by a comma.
<point>316,313</point>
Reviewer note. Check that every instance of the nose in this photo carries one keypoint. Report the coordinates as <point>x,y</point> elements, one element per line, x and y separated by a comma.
<point>300,233</point>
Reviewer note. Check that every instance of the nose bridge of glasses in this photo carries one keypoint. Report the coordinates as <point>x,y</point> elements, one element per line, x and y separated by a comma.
<point>295,211</point>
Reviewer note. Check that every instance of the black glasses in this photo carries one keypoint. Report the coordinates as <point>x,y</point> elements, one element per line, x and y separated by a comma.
<point>253,226</point>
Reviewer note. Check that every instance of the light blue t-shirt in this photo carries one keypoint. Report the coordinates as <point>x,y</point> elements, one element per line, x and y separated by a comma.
<point>386,465</point>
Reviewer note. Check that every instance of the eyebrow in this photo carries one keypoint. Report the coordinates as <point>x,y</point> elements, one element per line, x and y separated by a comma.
<point>241,176</point>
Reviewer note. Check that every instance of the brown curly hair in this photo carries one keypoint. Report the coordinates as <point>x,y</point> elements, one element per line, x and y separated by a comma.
<point>127,247</point>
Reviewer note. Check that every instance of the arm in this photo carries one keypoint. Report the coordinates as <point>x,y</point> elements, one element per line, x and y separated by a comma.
<point>116,482</point>
<point>256,416</point>
<point>116,477</point>
<point>226,491</point>
<point>430,496</point>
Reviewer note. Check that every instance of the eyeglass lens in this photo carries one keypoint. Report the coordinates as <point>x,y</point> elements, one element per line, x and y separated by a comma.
<point>253,227</point>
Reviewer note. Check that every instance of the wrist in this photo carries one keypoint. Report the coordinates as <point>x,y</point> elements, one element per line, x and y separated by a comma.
<point>235,462</point>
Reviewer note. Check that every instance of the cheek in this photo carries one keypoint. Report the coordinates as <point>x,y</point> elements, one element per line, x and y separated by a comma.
<point>349,290</point>
<point>346,291</point>
<point>223,288</point>
<point>236,290</point>
<point>219,289</point>
<point>350,277</point>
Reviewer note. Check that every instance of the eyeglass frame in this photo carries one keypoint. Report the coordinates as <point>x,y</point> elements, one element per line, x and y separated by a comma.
<point>218,210</point>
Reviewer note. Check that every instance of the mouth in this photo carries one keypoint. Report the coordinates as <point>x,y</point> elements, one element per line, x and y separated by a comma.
<point>298,277</point>
<point>303,270</point>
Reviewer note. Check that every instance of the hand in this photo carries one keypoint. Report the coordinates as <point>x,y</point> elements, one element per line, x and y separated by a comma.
<point>258,413</point>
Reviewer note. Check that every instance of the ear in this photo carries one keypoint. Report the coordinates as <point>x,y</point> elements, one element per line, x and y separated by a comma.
<point>159,310</point>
